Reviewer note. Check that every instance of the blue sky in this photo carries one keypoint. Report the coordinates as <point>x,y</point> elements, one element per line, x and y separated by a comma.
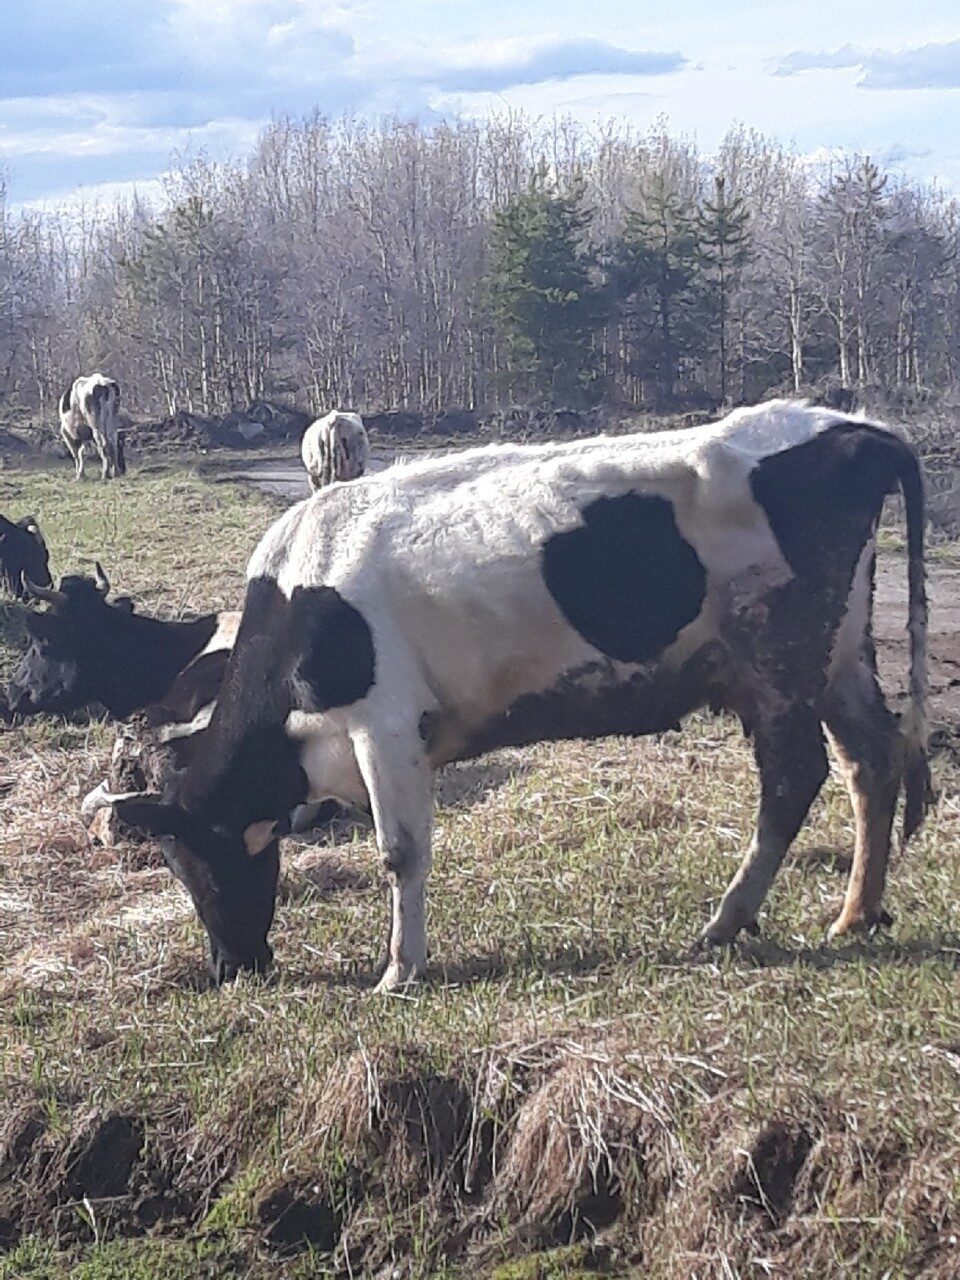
<point>98,96</point>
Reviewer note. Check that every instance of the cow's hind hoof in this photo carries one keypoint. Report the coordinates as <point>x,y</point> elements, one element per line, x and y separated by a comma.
<point>396,977</point>
<point>844,927</point>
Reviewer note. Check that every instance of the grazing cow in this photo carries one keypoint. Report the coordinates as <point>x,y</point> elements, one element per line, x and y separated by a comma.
<point>513,594</point>
<point>88,412</point>
<point>23,553</point>
<point>335,448</point>
<point>86,649</point>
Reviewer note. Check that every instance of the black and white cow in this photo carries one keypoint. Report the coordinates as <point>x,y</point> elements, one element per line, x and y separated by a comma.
<point>87,649</point>
<point>23,553</point>
<point>335,447</point>
<point>509,595</point>
<point>88,413</point>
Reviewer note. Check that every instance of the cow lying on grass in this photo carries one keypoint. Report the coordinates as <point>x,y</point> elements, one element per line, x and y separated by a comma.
<point>508,595</point>
<point>23,553</point>
<point>86,649</point>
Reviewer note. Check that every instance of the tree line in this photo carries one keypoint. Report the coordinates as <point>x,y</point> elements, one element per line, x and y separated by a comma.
<point>484,264</point>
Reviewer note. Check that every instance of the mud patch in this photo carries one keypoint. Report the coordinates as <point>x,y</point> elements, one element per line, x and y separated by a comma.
<point>765,1184</point>
<point>295,1218</point>
<point>101,1159</point>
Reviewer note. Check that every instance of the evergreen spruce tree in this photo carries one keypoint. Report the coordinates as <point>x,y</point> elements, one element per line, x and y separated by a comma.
<point>724,246</point>
<point>653,279</point>
<point>543,303</point>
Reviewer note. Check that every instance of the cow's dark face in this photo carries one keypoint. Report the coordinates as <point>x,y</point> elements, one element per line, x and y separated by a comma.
<point>49,676</point>
<point>68,655</point>
<point>23,553</point>
<point>233,890</point>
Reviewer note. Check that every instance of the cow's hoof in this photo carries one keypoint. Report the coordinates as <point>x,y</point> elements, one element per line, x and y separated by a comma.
<point>846,926</point>
<point>396,976</point>
<point>721,934</point>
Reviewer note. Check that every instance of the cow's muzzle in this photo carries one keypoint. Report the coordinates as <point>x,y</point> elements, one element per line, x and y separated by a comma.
<point>225,968</point>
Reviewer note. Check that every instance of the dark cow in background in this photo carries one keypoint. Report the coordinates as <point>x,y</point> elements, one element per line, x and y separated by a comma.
<point>23,554</point>
<point>86,649</point>
<point>514,594</point>
<point>88,414</point>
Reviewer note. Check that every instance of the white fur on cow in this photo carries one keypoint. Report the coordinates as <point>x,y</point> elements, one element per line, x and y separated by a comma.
<point>513,594</point>
<point>88,415</point>
<point>335,447</point>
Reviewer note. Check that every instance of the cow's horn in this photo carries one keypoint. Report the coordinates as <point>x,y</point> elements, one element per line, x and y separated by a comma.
<point>101,579</point>
<point>43,593</point>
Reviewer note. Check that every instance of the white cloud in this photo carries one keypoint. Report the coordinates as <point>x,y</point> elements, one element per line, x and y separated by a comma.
<point>929,66</point>
<point>491,65</point>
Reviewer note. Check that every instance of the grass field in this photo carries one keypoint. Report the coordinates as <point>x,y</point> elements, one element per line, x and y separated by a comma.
<point>570,1092</point>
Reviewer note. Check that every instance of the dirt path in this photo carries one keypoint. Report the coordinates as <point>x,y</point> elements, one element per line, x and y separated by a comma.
<point>286,478</point>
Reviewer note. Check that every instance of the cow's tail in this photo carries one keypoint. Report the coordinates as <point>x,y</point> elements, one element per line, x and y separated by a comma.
<point>917,787</point>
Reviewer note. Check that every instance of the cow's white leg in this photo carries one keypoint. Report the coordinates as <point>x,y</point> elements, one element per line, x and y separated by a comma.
<point>76,453</point>
<point>399,782</point>
<point>792,764</point>
<point>864,735</point>
<point>104,452</point>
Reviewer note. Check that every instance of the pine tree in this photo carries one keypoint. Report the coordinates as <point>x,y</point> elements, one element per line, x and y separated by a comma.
<point>653,278</point>
<point>724,247</point>
<point>540,295</point>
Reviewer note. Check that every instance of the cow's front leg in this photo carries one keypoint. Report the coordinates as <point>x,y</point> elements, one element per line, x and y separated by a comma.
<point>792,763</point>
<point>399,782</point>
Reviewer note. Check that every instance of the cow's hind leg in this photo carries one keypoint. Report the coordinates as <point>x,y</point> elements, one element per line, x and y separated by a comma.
<point>399,782</point>
<point>76,453</point>
<point>865,737</point>
<point>106,469</point>
<point>792,763</point>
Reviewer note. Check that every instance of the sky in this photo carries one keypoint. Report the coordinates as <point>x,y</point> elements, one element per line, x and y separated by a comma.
<point>95,99</point>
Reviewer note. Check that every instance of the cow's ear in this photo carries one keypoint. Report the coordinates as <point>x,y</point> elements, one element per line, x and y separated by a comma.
<point>154,817</point>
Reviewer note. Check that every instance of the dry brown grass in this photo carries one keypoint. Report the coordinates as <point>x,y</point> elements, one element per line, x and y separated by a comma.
<point>567,1072</point>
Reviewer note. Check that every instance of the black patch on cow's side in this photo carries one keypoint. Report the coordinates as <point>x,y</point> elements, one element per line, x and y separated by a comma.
<point>65,399</point>
<point>626,580</point>
<point>337,661</point>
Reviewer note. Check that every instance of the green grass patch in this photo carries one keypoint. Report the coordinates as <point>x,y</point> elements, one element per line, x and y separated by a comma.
<point>568,1073</point>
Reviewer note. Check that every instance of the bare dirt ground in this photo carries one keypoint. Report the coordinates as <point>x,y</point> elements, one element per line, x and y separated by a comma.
<point>943,590</point>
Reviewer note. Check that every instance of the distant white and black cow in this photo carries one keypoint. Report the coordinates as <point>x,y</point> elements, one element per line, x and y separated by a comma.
<point>23,553</point>
<point>335,447</point>
<point>509,595</point>
<point>88,414</point>
<point>87,649</point>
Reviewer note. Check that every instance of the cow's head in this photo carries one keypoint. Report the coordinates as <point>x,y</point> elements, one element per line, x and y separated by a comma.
<point>23,553</point>
<point>69,652</point>
<point>230,875</point>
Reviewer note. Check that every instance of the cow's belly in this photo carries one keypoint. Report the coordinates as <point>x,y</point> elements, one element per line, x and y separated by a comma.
<point>327,758</point>
<point>593,701</point>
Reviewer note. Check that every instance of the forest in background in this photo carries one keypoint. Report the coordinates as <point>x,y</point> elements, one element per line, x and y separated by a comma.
<point>481,265</point>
